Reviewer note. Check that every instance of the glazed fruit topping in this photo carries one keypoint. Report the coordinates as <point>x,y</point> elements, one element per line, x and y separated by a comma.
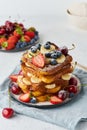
<point>38,60</point>
<point>7,112</point>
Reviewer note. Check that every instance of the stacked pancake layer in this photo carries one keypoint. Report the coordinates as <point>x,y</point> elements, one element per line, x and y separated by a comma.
<point>46,70</point>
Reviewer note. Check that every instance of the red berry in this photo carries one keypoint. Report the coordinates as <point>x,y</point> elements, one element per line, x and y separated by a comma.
<point>15,33</point>
<point>2,31</point>
<point>38,60</point>
<point>27,38</point>
<point>25,97</point>
<point>2,40</point>
<point>62,94</point>
<point>30,34</point>
<point>7,112</point>
<point>14,77</point>
<point>15,89</point>
<point>72,89</point>
<point>73,81</point>
<point>55,100</point>
<point>64,50</point>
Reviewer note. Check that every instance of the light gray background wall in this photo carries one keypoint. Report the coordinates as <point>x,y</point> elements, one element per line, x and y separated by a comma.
<point>34,7</point>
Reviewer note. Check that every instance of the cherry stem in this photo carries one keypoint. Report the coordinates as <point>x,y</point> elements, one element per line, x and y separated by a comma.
<point>73,47</point>
<point>9,98</point>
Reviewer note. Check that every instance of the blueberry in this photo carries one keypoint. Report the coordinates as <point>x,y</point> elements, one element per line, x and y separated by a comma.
<point>34,49</point>
<point>32,41</point>
<point>53,62</point>
<point>36,38</point>
<point>59,53</point>
<point>33,100</point>
<point>36,32</point>
<point>47,45</point>
<point>18,44</point>
<point>38,46</point>
<point>54,55</point>
<point>23,44</point>
<point>48,55</point>
<point>71,95</point>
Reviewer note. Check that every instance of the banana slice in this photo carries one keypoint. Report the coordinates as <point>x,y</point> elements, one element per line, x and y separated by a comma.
<point>27,64</point>
<point>30,54</point>
<point>47,60</point>
<point>26,81</point>
<point>61,59</point>
<point>29,74</point>
<point>66,76</point>
<point>35,79</point>
<point>20,83</point>
<point>50,86</point>
<point>43,50</point>
<point>52,47</point>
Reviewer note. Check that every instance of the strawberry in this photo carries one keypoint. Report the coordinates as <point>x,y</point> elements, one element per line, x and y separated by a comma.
<point>14,77</point>
<point>10,46</point>
<point>25,38</point>
<point>55,100</point>
<point>15,33</point>
<point>38,60</point>
<point>30,34</point>
<point>2,40</point>
<point>25,97</point>
<point>13,39</point>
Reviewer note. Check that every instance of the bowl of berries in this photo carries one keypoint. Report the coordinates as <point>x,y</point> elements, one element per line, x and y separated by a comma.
<point>15,37</point>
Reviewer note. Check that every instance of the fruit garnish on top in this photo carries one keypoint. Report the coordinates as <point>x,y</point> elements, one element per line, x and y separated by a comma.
<point>14,35</point>
<point>48,54</point>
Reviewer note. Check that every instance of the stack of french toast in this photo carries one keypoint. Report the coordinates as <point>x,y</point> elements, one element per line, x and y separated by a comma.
<point>46,70</point>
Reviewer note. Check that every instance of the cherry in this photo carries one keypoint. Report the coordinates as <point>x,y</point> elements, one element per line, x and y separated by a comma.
<point>15,89</point>
<point>2,31</point>
<point>62,94</point>
<point>64,50</point>
<point>73,81</point>
<point>7,112</point>
<point>72,89</point>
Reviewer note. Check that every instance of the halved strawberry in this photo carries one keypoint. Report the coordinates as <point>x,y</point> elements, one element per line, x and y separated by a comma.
<point>25,97</point>
<point>55,100</point>
<point>38,60</point>
<point>14,77</point>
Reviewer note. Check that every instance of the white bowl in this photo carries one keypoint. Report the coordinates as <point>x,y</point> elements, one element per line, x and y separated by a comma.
<point>77,13</point>
<point>78,21</point>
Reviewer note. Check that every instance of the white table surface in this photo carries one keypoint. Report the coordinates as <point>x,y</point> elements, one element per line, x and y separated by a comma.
<point>52,28</point>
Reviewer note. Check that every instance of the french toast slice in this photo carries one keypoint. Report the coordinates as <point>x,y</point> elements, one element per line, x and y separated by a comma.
<point>48,69</point>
